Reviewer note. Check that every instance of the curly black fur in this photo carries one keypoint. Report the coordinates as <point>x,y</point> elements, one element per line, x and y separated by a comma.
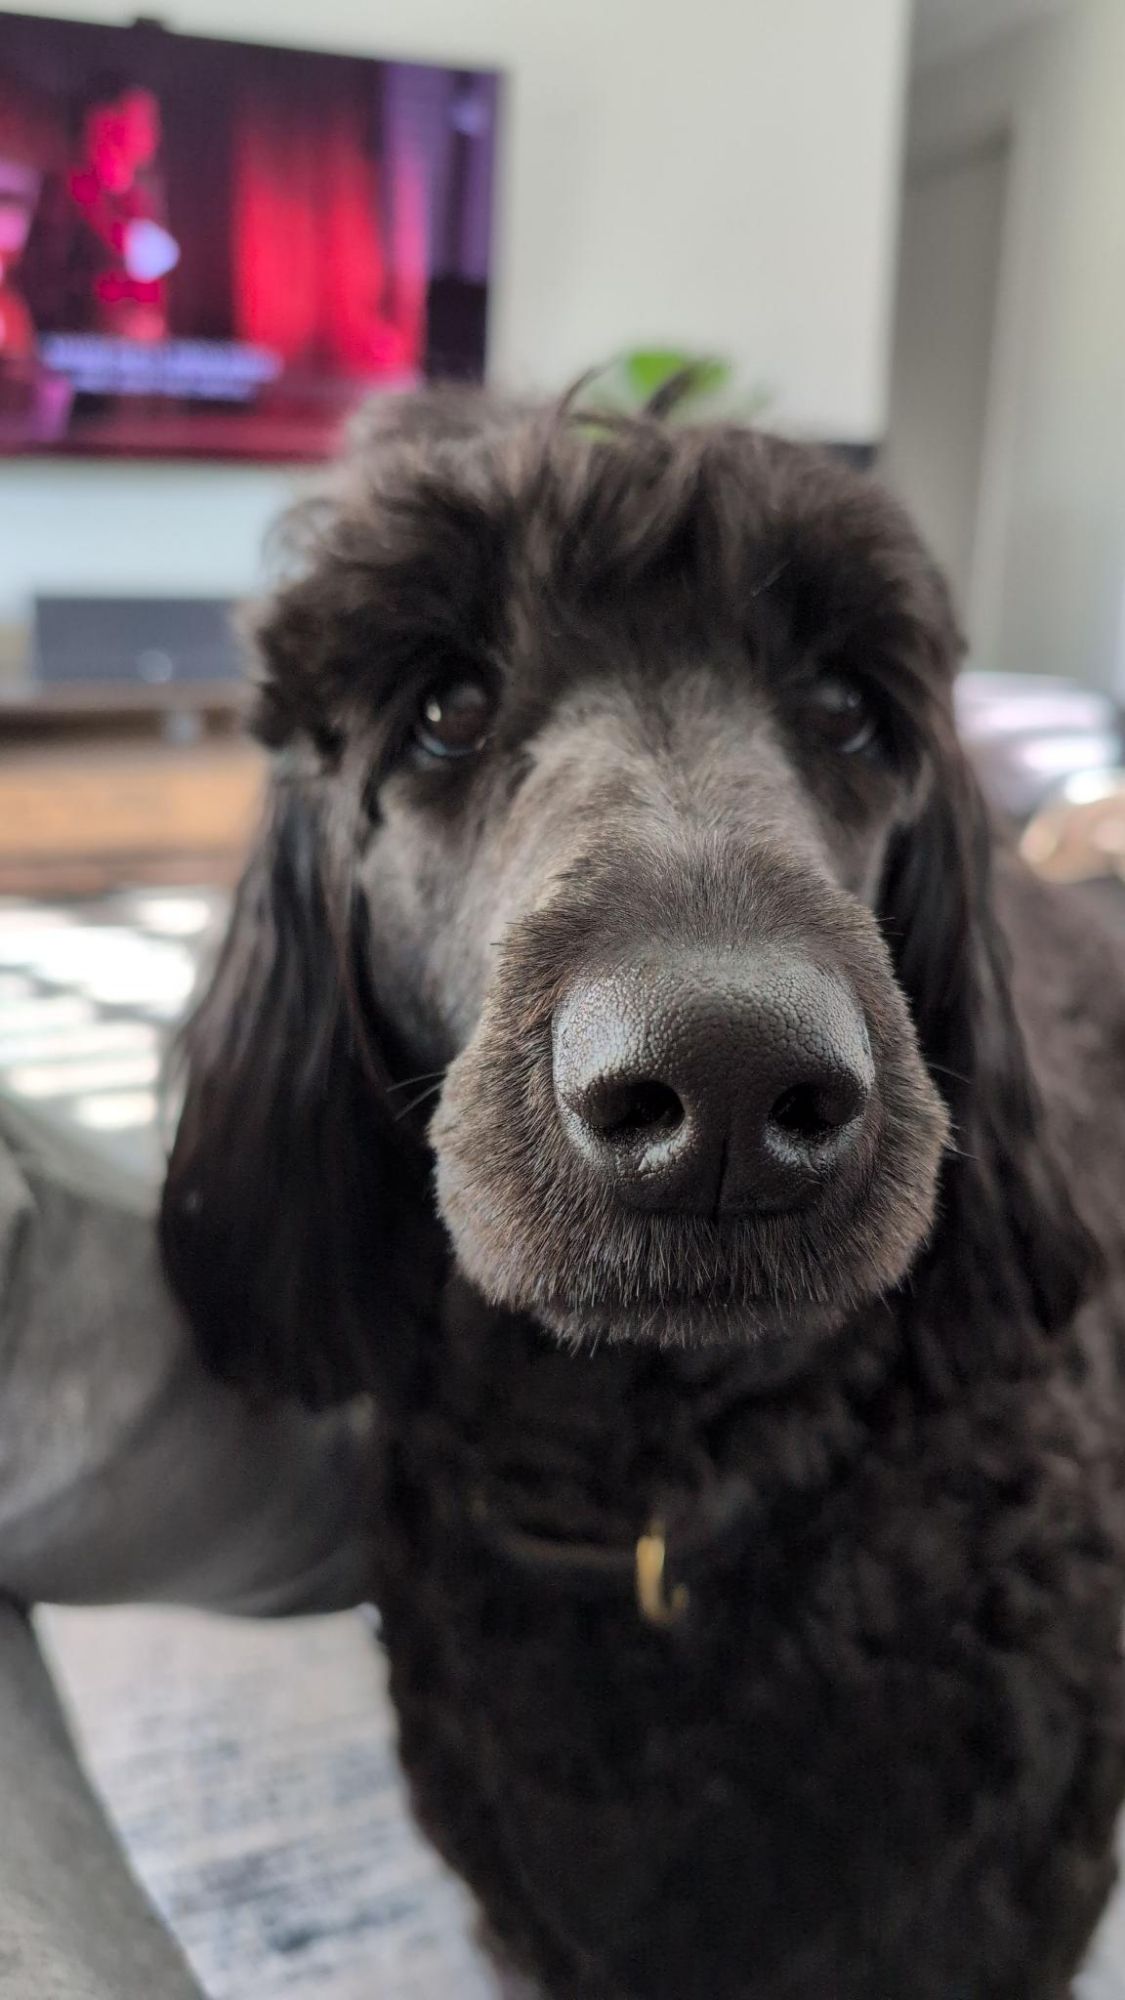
<point>880,1751</point>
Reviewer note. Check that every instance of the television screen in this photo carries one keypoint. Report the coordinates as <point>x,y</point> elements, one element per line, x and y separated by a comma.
<point>213,248</point>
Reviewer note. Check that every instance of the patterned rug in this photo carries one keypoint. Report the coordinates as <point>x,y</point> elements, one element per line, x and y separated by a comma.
<point>89,996</point>
<point>251,1772</point>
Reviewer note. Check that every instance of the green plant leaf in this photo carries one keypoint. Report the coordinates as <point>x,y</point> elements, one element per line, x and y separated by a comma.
<point>647,369</point>
<point>629,382</point>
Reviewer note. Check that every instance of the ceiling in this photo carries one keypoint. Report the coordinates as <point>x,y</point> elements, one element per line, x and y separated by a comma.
<point>944,28</point>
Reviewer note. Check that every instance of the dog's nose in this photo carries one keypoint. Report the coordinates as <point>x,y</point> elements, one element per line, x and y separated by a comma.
<point>714,1084</point>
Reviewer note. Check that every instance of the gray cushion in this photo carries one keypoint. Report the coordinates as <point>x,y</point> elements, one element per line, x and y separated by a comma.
<point>125,1472</point>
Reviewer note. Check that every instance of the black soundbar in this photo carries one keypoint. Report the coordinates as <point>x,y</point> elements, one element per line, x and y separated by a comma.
<point>133,642</point>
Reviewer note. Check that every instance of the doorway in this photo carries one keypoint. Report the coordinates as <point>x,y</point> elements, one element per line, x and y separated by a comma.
<point>952,234</point>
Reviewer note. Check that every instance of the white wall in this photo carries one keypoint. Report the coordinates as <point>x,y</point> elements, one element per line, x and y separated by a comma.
<point>1050,573</point>
<point>717,173</point>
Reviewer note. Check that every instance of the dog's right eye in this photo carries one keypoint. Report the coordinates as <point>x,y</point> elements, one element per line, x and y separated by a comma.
<point>843,714</point>
<point>454,718</point>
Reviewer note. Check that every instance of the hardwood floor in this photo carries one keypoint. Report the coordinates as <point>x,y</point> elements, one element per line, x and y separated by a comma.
<point>78,817</point>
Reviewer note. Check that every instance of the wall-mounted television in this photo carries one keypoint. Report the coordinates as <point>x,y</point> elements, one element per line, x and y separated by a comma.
<point>213,248</point>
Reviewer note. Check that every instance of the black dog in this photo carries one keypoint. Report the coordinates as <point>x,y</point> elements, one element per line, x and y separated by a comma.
<point>751,1472</point>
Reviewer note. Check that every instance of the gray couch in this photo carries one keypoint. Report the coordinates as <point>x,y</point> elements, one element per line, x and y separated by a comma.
<point>125,1473</point>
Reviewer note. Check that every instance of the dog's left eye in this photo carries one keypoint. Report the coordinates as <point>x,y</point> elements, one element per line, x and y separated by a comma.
<point>454,718</point>
<point>843,714</point>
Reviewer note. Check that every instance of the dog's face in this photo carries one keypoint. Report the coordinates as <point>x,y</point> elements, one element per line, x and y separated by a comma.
<point>620,880</point>
<point>619,729</point>
<point>622,863</point>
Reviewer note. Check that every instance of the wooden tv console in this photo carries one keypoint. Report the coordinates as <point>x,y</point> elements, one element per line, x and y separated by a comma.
<point>104,785</point>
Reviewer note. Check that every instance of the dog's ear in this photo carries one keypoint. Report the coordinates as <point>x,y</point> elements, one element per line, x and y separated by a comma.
<point>290,1215</point>
<point>1010,1259</point>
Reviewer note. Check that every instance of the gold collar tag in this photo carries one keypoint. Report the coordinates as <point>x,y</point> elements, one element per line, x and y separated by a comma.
<point>654,1603</point>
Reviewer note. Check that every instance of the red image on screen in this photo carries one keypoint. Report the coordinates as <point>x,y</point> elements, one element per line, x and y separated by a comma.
<point>212,247</point>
